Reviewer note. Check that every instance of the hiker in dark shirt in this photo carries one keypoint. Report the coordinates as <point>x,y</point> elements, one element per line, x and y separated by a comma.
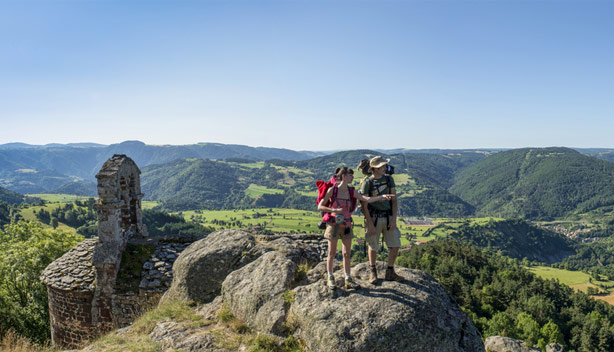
<point>381,217</point>
<point>340,199</point>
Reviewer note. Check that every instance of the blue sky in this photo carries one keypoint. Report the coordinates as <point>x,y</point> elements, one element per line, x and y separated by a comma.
<point>309,75</point>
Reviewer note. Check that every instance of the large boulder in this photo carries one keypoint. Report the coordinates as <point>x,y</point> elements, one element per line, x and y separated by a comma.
<point>414,315</point>
<point>297,251</point>
<point>201,268</point>
<point>555,347</point>
<point>172,336</point>
<point>255,293</point>
<point>507,344</point>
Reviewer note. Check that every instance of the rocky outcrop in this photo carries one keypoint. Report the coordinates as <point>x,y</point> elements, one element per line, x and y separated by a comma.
<point>414,315</point>
<point>555,347</point>
<point>264,286</point>
<point>506,344</point>
<point>255,293</point>
<point>203,266</point>
<point>300,248</point>
<point>175,336</point>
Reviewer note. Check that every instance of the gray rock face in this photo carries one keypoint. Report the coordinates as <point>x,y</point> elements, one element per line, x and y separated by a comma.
<point>253,276</point>
<point>555,347</point>
<point>202,267</point>
<point>415,315</point>
<point>506,344</point>
<point>255,293</point>
<point>297,251</point>
<point>174,336</point>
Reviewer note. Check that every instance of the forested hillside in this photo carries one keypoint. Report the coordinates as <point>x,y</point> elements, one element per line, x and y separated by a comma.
<point>503,298</point>
<point>536,183</point>
<point>239,183</point>
<point>5,213</point>
<point>10,197</point>
<point>516,239</point>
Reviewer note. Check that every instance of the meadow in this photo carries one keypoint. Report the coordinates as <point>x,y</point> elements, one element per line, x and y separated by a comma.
<point>56,198</point>
<point>578,280</point>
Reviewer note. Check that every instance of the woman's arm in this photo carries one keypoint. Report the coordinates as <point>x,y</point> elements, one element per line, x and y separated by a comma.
<point>325,200</point>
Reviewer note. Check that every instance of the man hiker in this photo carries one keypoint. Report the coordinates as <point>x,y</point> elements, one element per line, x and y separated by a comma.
<point>381,217</point>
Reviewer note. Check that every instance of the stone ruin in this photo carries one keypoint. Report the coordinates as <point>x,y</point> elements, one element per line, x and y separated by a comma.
<point>90,289</point>
<point>106,282</point>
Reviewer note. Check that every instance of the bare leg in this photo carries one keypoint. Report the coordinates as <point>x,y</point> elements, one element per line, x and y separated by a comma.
<point>392,255</point>
<point>372,256</point>
<point>332,252</point>
<point>347,249</point>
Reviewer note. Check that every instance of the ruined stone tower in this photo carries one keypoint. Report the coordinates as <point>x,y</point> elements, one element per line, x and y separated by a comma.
<point>81,285</point>
<point>119,219</point>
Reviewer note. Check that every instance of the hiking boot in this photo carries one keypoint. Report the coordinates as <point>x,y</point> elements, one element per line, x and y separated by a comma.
<point>330,282</point>
<point>373,276</point>
<point>392,276</point>
<point>350,284</point>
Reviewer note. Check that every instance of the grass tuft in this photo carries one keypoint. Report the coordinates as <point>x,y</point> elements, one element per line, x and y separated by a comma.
<point>289,297</point>
<point>118,343</point>
<point>178,311</point>
<point>224,314</point>
<point>12,342</point>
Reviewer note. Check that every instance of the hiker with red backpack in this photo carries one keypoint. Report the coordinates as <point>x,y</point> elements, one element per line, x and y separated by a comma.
<point>337,203</point>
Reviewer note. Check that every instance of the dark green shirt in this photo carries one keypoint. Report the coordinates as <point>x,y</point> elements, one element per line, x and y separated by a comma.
<point>373,187</point>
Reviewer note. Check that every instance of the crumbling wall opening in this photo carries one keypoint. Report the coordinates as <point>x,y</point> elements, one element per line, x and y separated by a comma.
<point>125,200</point>
<point>135,202</point>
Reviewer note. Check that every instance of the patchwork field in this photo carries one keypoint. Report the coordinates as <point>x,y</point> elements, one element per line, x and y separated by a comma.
<point>256,191</point>
<point>578,280</point>
<point>300,221</point>
<point>29,214</point>
<point>57,198</point>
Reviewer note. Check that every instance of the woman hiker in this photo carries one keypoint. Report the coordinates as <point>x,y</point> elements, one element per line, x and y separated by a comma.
<point>340,200</point>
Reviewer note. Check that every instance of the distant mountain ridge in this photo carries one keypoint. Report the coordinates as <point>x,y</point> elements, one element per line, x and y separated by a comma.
<point>536,183</point>
<point>434,182</point>
<point>193,183</point>
<point>36,169</point>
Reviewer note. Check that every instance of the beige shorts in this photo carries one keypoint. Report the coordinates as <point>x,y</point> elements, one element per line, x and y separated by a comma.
<point>333,232</point>
<point>392,237</point>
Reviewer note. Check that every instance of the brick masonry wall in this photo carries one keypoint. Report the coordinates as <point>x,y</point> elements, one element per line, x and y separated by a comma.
<point>70,314</point>
<point>129,306</point>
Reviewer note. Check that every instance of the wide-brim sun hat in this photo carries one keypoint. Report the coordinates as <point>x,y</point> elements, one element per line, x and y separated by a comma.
<point>376,162</point>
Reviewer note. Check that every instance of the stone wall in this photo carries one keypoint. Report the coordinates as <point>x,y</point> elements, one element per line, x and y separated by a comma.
<point>130,305</point>
<point>70,282</point>
<point>70,317</point>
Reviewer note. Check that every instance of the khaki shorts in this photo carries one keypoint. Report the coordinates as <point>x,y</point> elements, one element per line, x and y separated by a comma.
<point>392,237</point>
<point>333,232</point>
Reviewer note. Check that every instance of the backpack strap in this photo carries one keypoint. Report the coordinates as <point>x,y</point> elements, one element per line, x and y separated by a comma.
<point>334,197</point>
<point>353,198</point>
